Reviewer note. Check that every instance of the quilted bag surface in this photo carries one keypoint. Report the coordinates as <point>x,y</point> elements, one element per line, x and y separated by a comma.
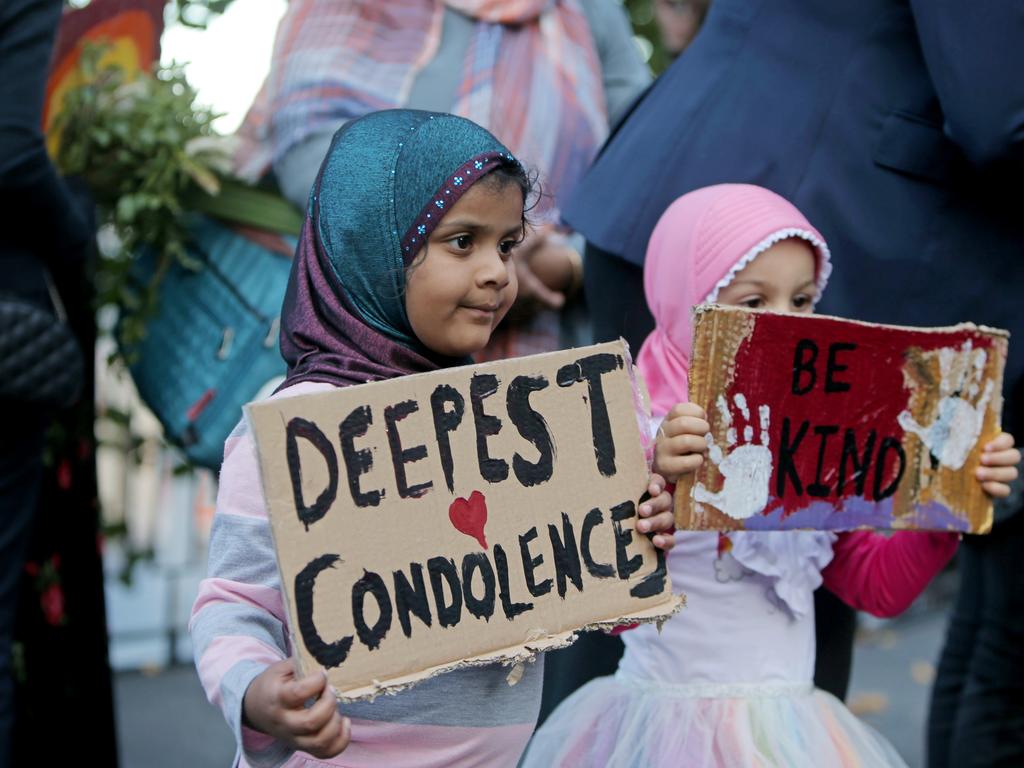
<point>40,361</point>
<point>213,344</point>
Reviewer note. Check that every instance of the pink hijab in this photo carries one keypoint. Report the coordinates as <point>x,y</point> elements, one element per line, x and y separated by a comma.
<point>699,245</point>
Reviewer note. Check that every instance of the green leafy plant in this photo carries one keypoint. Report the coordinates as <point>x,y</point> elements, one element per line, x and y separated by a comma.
<point>149,154</point>
<point>145,149</point>
<point>645,28</point>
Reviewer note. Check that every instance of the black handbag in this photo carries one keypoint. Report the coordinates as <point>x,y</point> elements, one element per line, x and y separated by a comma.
<point>40,360</point>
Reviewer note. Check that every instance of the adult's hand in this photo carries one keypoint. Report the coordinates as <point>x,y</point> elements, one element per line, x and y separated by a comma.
<point>546,266</point>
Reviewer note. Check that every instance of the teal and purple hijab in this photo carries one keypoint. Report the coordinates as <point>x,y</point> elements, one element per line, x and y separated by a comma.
<point>386,182</point>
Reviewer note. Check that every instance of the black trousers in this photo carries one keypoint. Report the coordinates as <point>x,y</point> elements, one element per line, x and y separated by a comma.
<point>615,299</point>
<point>977,706</point>
<point>21,471</point>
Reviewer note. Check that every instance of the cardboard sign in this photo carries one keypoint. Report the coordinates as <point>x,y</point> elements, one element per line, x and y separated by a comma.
<point>468,515</point>
<point>834,425</point>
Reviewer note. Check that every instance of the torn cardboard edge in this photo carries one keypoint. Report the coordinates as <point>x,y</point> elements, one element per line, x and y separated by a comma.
<point>641,404</point>
<point>523,650</point>
<point>719,334</point>
<point>509,657</point>
<point>642,408</point>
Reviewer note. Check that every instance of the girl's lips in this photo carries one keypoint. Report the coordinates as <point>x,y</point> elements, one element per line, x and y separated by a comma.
<point>481,312</point>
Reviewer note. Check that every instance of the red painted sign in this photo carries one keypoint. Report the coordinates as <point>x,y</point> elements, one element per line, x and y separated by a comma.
<point>832,424</point>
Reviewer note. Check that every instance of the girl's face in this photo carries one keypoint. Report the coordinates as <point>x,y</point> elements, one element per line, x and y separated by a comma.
<point>781,279</point>
<point>460,288</point>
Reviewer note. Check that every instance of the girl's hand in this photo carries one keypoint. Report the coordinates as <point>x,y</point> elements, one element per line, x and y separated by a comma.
<point>680,445</point>
<point>999,460</point>
<point>275,703</point>
<point>656,514</point>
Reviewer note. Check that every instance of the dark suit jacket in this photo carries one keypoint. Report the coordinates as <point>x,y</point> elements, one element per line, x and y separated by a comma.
<point>41,220</point>
<point>897,127</point>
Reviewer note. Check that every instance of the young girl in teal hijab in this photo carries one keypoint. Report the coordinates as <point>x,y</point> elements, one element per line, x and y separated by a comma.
<point>404,266</point>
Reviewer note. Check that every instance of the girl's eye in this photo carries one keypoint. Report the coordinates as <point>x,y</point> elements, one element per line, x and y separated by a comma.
<point>505,247</point>
<point>462,242</point>
<point>802,301</point>
<point>755,302</point>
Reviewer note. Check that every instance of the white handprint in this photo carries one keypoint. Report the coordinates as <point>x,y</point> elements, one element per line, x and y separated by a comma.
<point>953,433</point>
<point>746,470</point>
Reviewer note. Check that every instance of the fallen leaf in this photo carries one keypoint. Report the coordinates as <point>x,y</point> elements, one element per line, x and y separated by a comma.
<point>868,703</point>
<point>923,672</point>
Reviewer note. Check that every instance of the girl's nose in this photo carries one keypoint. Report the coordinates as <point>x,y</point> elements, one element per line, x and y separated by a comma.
<point>494,270</point>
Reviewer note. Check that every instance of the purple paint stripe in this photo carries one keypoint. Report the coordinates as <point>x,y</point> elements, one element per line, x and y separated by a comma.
<point>857,512</point>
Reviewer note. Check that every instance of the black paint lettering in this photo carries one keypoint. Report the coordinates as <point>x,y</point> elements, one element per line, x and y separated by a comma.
<point>411,598</point>
<point>445,422</point>
<point>833,367</point>
<point>803,362</point>
<point>327,654</point>
<point>565,556</point>
<point>448,613</point>
<point>482,386</point>
<point>653,583</point>
<point>532,426</point>
<point>373,584</point>
<point>860,464</point>
<point>787,467</point>
<point>510,607</point>
<point>591,369</point>
<point>598,570</point>
<point>627,566</point>
<point>399,457</point>
<point>818,488</point>
<point>888,444</point>
<point>358,462</point>
<point>530,563</point>
<point>308,430</point>
<point>483,607</point>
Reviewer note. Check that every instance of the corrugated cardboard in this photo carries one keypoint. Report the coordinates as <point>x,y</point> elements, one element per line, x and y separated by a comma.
<point>505,491</point>
<point>833,424</point>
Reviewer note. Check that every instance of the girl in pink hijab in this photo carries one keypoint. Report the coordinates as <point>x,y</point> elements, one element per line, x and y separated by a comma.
<point>729,680</point>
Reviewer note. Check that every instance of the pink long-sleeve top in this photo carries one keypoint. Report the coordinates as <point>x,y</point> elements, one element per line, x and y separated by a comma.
<point>883,575</point>
<point>469,717</point>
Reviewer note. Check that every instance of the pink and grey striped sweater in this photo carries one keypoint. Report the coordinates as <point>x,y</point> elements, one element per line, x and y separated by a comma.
<point>470,717</point>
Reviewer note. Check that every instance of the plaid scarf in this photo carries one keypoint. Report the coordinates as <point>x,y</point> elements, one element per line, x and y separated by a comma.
<point>531,75</point>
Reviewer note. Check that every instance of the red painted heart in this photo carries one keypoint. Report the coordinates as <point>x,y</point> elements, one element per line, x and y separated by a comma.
<point>470,516</point>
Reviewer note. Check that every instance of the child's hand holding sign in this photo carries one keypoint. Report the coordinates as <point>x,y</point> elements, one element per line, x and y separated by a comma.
<point>275,703</point>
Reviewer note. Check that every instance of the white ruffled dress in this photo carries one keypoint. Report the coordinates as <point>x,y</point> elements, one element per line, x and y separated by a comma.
<point>728,682</point>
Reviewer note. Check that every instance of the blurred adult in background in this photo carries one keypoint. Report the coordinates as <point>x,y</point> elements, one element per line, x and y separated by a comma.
<point>977,706</point>
<point>48,514</point>
<point>545,76</point>
<point>678,22</point>
<point>898,127</point>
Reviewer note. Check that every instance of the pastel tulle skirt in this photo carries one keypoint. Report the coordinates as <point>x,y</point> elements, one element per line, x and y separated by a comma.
<point>619,721</point>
